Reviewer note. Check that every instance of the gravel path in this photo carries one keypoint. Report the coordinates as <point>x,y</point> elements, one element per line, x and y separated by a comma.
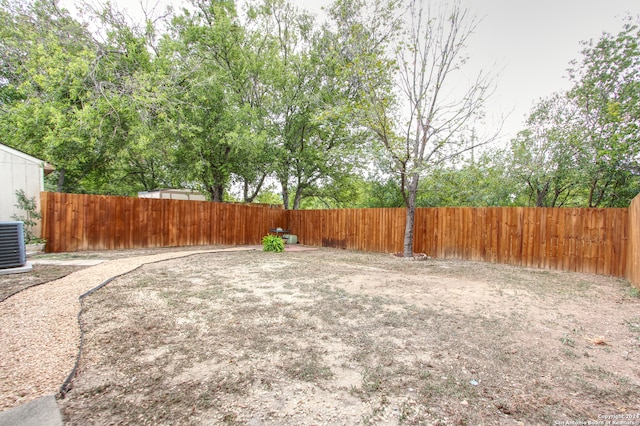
<point>40,334</point>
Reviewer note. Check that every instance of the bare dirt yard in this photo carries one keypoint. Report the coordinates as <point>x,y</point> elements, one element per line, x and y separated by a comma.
<point>331,337</point>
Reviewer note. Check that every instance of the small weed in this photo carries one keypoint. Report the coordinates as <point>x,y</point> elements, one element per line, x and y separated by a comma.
<point>372,418</point>
<point>172,298</point>
<point>372,379</point>
<point>234,383</point>
<point>583,286</point>
<point>146,281</point>
<point>598,371</point>
<point>570,353</point>
<point>210,293</point>
<point>394,320</point>
<point>231,419</point>
<point>634,325</point>
<point>634,292</point>
<point>568,341</point>
<point>309,368</point>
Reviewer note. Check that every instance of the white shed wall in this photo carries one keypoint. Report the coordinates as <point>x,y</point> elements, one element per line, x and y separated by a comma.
<point>173,194</point>
<point>19,171</point>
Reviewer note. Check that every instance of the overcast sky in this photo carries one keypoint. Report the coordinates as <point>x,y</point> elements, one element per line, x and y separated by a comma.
<point>528,44</point>
<point>533,42</point>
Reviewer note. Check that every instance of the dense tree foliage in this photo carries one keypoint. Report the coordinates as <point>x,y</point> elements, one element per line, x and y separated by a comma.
<point>606,94</point>
<point>216,101</point>
<point>48,106</point>
<point>263,102</point>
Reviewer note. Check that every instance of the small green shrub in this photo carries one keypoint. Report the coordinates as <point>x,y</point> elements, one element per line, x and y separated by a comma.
<point>30,216</point>
<point>272,243</point>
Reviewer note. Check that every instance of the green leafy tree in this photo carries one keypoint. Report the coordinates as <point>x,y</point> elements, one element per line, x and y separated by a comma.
<point>383,192</point>
<point>315,146</point>
<point>582,148</point>
<point>206,55</point>
<point>219,135</point>
<point>47,59</point>
<point>79,101</point>
<point>474,182</point>
<point>544,156</point>
<point>29,216</point>
<point>607,94</point>
<point>133,74</point>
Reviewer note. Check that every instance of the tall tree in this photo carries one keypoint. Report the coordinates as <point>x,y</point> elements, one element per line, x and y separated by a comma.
<point>543,156</point>
<point>212,121</point>
<point>132,72</point>
<point>83,97</point>
<point>607,93</point>
<point>313,143</point>
<point>583,147</point>
<point>47,96</point>
<point>424,119</point>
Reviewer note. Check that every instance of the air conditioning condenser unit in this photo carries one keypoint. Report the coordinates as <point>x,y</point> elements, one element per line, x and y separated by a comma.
<point>12,249</point>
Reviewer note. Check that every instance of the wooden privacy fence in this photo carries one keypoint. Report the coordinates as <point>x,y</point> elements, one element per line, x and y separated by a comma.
<point>584,240</point>
<point>76,222</point>
<point>602,241</point>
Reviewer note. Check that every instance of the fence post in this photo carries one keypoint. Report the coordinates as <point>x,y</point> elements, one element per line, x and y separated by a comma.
<point>633,243</point>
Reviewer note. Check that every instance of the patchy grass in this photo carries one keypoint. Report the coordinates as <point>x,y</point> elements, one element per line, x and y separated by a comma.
<point>337,337</point>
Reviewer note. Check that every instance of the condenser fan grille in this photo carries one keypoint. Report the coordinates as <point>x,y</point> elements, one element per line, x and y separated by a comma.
<point>12,249</point>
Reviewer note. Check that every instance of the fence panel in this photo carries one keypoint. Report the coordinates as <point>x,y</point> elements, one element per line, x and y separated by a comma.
<point>73,222</point>
<point>584,240</point>
<point>377,230</point>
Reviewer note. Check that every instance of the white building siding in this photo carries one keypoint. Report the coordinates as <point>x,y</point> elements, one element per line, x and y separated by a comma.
<point>173,194</point>
<point>18,171</point>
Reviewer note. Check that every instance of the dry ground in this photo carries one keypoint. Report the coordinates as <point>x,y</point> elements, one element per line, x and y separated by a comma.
<point>11,284</point>
<point>338,337</point>
<point>15,283</point>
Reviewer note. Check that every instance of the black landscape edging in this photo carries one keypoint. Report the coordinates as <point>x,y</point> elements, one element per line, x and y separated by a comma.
<point>66,385</point>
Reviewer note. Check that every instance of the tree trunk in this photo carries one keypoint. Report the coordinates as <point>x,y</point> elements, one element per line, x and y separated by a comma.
<point>541,196</point>
<point>408,232</point>
<point>60,180</point>
<point>298,198</point>
<point>410,204</point>
<point>285,195</point>
<point>249,198</point>
<point>216,192</point>
<point>219,193</point>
